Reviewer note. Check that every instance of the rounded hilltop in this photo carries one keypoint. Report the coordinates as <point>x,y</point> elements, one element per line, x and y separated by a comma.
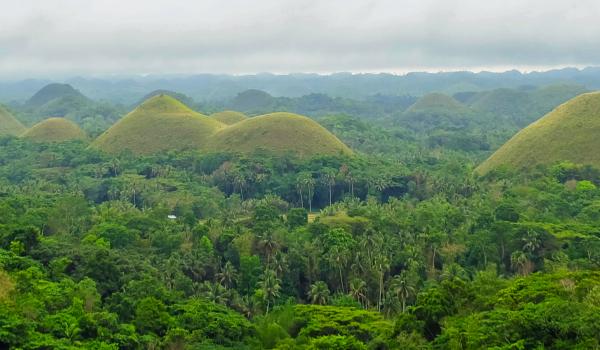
<point>9,125</point>
<point>436,102</point>
<point>55,130</point>
<point>568,133</point>
<point>229,117</point>
<point>161,123</point>
<point>52,92</point>
<point>278,134</point>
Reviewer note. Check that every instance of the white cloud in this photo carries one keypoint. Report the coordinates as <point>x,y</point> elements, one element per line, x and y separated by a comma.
<point>242,36</point>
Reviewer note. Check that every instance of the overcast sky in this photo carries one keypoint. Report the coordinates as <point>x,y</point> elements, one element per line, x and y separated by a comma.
<point>96,37</point>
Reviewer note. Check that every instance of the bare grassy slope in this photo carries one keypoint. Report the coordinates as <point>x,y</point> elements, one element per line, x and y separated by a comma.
<point>278,133</point>
<point>8,124</point>
<point>161,123</point>
<point>55,130</point>
<point>570,132</point>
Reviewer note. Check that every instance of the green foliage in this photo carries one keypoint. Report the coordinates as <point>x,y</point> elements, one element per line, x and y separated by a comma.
<point>209,321</point>
<point>313,321</point>
<point>541,311</point>
<point>331,342</point>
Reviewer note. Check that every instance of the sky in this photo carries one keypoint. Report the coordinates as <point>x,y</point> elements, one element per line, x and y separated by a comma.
<point>110,37</point>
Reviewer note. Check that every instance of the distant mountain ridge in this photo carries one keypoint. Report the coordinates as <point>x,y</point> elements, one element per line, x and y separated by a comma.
<point>209,87</point>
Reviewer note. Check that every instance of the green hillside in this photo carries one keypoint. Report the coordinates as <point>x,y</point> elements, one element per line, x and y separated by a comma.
<point>278,133</point>
<point>159,124</point>
<point>55,130</point>
<point>53,91</point>
<point>570,132</point>
<point>524,106</point>
<point>503,102</point>
<point>437,102</point>
<point>8,124</point>
<point>229,117</point>
<point>436,111</point>
<point>253,100</point>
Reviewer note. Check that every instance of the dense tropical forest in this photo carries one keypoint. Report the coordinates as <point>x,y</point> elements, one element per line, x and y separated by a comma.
<point>392,239</point>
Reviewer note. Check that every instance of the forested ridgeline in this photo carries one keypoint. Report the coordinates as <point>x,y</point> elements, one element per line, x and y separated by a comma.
<point>212,251</point>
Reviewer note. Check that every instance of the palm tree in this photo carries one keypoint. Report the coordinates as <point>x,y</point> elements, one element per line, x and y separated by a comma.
<point>269,244</point>
<point>299,186</point>
<point>382,264</point>
<point>531,242</point>
<point>329,180</point>
<point>454,271</point>
<point>228,275</point>
<point>390,304</point>
<point>270,286</point>
<point>308,182</point>
<point>239,181</point>
<point>214,292</point>
<point>319,293</point>
<point>358,291</point>
<point>403,288</point>
<point>115,166</point>
<point>338,257</point>
<point>351,180</point>
<point>279,263</point>
<point>520,262</point>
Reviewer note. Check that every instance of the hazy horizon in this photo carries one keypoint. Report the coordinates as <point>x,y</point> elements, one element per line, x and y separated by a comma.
<point>117,76</point>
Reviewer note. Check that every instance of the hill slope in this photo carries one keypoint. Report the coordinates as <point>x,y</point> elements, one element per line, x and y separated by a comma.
<point>54,91</point>
<point>54,130</point>
<point>503,102</point>
<point>436,102</point>
<point>278,133</point>
<point>161,123</point>
<point>186,100</point>
<point>570,132</point>
<point>229,117</point>
<point>436,111</point>
<point>253,100</point>
<point>8,124</point>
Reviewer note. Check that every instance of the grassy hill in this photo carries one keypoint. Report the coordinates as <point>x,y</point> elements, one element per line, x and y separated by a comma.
<point>436,111</point>
<point>159,124</point>
<point>229,117</point>
<point>570,132</point>
<point>278,133</point>
<point>503,102</point>
<point>437,102</point>
<point>186,100</point>
<point>524,106</point>
<point>53,91</point>
<point>55,130</point>
<point>253,100</point>
<point>8,124</point>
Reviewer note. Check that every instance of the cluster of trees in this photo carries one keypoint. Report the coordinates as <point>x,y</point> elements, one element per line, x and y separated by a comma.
<point>189,251</point>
